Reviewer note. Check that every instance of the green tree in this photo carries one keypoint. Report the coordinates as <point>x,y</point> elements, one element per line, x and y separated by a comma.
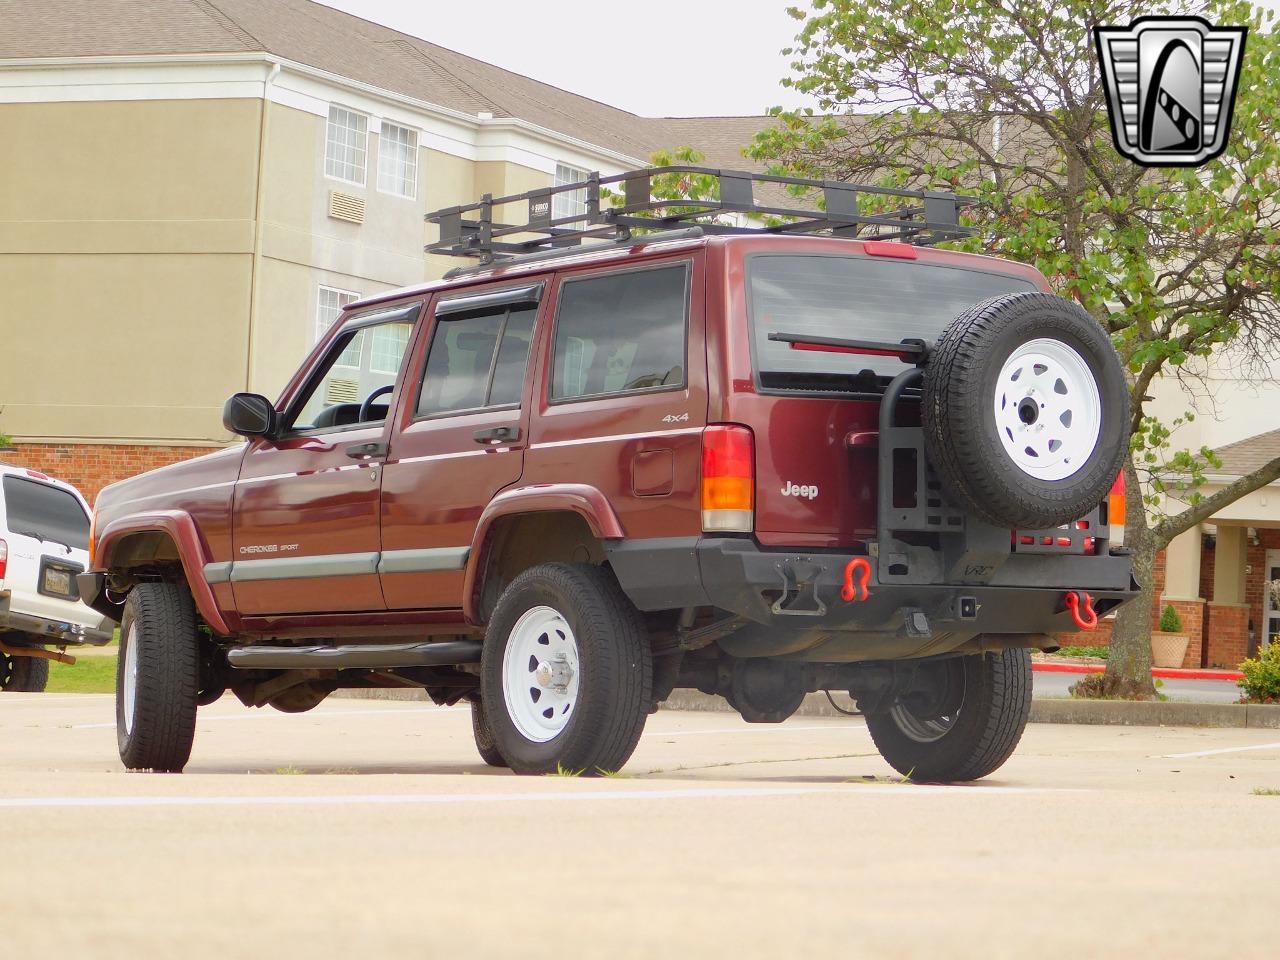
<point>1002,100</point>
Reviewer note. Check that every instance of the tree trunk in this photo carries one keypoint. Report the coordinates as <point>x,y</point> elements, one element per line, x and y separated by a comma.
<point>1129,662</point>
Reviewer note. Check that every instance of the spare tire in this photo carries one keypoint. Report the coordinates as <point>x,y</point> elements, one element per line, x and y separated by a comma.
<point>1025,411</point>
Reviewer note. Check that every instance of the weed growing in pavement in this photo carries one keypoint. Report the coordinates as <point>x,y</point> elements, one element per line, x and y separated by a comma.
<point>563,771</point>
<point>290,771</point>
<point>613,774</point>
<point>1265,792</point>
<point>869,778</point>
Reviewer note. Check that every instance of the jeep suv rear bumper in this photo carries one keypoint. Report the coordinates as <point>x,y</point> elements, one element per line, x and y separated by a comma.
<point>802,590</point>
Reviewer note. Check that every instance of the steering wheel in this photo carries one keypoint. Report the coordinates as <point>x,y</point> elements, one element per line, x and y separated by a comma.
<point>368,401</point>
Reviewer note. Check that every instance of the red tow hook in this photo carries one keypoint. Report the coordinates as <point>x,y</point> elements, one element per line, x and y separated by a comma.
<point>847,592</point>
<point>1090,619</point>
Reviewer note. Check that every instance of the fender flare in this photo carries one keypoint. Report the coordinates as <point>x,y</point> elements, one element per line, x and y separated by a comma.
<point>580,498</point>
<point>178,526</point>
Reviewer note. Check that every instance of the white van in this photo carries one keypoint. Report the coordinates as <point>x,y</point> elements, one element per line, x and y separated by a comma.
<point>44,543</point>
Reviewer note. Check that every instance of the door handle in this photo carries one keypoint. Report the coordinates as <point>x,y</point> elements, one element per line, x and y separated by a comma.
<point>363,451</point>
<point>497,435</point>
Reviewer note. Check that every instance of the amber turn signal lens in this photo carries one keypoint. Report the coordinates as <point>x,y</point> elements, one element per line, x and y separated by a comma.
<point>728,479</point>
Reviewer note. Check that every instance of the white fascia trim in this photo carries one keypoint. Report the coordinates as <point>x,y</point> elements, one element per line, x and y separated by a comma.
<point>302,87</point>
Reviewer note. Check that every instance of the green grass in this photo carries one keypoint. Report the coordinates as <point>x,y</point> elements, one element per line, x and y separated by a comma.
<point>1265,792</point>
<point>86,675</point>
<point>1100,652</point>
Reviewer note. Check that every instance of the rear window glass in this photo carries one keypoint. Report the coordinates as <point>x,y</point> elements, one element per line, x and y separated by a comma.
<point>49,513</point>
<point>858,298</point>
<point>620,332</point>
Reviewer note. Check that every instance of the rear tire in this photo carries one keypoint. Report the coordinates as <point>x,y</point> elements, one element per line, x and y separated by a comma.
<point>23,674</point>
<point>485,744</point>
<point>977,739</point>
<point>567,672</point>
<point>157,678</point>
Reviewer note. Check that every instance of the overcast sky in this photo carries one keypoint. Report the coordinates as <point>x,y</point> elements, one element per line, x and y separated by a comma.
<point>657,58</point>
<point>682,58</point>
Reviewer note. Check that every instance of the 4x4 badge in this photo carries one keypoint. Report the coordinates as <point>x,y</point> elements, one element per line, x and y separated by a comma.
<point>1170,85</point>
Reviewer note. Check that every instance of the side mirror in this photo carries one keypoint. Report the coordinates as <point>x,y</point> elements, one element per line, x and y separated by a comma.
<point>250,415</point>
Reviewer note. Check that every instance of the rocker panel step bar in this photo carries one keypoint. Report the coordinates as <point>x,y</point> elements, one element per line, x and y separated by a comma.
<point>445,653</point>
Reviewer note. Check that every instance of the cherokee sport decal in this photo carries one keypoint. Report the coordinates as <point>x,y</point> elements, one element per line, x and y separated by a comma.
<point>270,548</point>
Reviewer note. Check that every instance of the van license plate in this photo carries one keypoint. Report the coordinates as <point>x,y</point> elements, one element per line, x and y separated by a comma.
<point>57,581</point>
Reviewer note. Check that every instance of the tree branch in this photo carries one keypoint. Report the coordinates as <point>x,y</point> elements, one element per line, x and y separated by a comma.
<point>1180,523</point>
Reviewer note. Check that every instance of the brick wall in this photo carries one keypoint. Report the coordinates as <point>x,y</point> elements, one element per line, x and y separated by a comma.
<point>1208,564</point>
<point>91,466</point>
<point>1227,635</point>
<point>1192,613</point>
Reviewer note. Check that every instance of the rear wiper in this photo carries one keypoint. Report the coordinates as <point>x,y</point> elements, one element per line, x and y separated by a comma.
<point>908,351</point>
<point>43,539</point>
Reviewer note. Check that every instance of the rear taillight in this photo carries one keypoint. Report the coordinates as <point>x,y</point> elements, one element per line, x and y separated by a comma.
<point>4,558</point>
<point>728,479</point>
<point>93,536</point>
<point>1115,510</point>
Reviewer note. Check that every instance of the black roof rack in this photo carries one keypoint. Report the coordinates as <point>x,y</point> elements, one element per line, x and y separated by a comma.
<point>925,217</point>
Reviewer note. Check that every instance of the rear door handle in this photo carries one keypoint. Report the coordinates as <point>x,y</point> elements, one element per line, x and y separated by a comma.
<point>497,435</point>
<point>363,451</point>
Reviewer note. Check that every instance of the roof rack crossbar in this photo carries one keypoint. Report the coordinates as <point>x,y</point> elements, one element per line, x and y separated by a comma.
<point>608,209</point>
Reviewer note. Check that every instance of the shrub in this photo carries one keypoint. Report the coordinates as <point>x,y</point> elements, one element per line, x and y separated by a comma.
<point>1170,622</point>
<point>1261,682</point>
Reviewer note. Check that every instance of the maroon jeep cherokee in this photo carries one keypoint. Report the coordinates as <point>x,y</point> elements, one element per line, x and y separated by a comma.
<point>569,480</point>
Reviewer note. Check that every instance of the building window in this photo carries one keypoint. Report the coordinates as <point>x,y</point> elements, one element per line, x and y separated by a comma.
<point>571,203</point>
<point>346,145</point>
<point>329,305</point>
<point>389,341</point>
<point>398,161</point>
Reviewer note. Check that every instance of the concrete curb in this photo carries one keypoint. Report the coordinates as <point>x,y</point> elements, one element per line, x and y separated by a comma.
<point>1127,713</point>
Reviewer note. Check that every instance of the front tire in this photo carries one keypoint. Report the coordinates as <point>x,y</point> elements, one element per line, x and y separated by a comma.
<point>23,674</point>
<point>974,736</point>
<point>567,673</point>
<point>157,678</point>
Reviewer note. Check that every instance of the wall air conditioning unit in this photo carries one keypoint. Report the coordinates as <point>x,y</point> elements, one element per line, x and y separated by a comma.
<point>346,206</point>
<point>342,391</point>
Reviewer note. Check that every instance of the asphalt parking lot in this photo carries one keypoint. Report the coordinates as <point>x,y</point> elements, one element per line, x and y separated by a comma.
<point>372,829</point>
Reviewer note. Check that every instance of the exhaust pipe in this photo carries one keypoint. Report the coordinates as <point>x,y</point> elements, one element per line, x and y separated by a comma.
<point>370,656</point>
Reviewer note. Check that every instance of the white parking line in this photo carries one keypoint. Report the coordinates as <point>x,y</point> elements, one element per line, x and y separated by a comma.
<point>1214,753</point>
<point>275,714</point>
<point>690,793</point>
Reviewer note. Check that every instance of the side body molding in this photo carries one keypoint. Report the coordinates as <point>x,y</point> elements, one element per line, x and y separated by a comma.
<point>182,530</point>
<point>580,498</point>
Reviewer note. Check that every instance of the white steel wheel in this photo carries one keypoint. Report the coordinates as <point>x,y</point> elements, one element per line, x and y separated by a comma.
<point>1048,410</point>
<point>129,679</point>
<point>540,670</point>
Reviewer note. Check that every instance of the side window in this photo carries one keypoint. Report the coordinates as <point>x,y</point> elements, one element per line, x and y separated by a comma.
<point>352,373</point>
<point>477,360</point>
<point>620,332</point>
